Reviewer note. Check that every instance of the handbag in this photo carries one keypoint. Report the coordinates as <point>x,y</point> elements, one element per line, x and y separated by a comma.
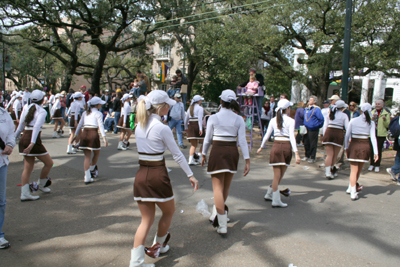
<point>303,130</point>
<point>184,89</point>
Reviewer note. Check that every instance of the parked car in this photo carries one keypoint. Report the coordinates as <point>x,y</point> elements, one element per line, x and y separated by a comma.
<point>211,107</point>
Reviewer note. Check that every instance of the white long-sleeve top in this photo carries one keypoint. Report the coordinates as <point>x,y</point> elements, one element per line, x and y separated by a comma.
<point>36,124</point>
<point>126,110</point>
<point>75,108</point>
<point>358,128</point>
<point>286,131</point>
<point>226,126</point>
<point>198,113</point>
<point>57,105</point>
<point>156,137</point>
<point>26,97</point>
<point>6,134</point>
<point>93,120</point>
<point>11,102</point>
<point>268,116</point>
<point>341,121</point>
<point>17,106</point>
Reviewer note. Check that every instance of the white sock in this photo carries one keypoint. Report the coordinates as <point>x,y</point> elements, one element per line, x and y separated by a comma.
<point>190,158</point>
<point>327,170</point>
<point>92,167</point>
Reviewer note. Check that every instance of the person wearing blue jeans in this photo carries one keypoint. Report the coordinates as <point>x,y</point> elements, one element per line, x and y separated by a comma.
<point>176,116</point>
<point>7,143</point>
<point>117,110</point>
<point>393,171</point>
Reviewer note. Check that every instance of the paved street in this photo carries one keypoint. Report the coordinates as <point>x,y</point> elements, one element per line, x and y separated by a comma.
<point>93,225</point>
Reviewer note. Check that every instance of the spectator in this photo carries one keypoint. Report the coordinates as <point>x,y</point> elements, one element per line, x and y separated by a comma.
<point>284,96</point>
<point>382,119</point>
<point>266,115</point>
<point>63,102</point>
<point>313,120</point>
<point>396,168</point>
<point>85,92</point>
<point>171,91</point>
<point>117,109</point>
<point>272,102</point>
<point>107,98</point>
<point>299,121</point>
<point>109,122</point>
<point>142,86</point>
<point>176,117</point>
<point>353,108</point>
<point>181,80</point>
<point>260,78</point>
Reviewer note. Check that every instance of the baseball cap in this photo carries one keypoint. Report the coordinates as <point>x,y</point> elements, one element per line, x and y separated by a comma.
<point>37,95</point>
<point>156,97</point>
<point>178,95</point>
<point>196,98</point>
<point>228,95</point>
<point>334,97</point>
<point>325,102</point>
<point>95,101</point>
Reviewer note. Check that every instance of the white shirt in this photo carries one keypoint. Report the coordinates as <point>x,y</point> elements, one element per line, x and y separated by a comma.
<point>359,126</point>
<point>11,102</point>
<point>340,121</point>
<point>75,108</point>
<point>325,112</point>
<point>57,105</point>
<point>126,110</point>
<point>37,122</point>
<point>198,112</point>
<point>26,97</point>
<point>226,126</point>
<point>17,106</point>
<point>6,134</point>
<point>93,120</point>
<point>269,114</point>
<point>156,137</point>
<point>286,131</point>
<point>51,99</point>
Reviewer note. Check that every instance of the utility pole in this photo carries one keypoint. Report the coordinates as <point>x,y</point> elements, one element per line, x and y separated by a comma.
<point>3,63</point>
<point>346,50</point>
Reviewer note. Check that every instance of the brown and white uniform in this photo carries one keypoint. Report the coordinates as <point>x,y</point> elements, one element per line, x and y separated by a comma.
<point>194,124</point>
<point>32,132</point>
<point>152,183</point>
<point>224,130</point>
<point>56,110</point>
<point>360,133</point>
<point>125,114</point>
<point>333,130</point>
<point>89,138</point>
<point>17,110</point>
<point>74,110</point>
<point>284,141</point>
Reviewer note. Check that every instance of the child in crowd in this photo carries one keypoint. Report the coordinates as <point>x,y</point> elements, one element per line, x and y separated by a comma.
<point>251,89</point>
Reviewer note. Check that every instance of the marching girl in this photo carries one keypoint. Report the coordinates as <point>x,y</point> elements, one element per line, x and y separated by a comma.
<point>281,153</point>
<point>124,124</point>
<point>57,117</point>
<point>152,185</point>
<point>358,152</point>
<point>91,121</point>
<point>17,109</point>
<point>223,129</point>
<point>30,146</point>
<point>333,139</point>
<point>194,126</point>
<point>74,111</point>
<point>11,102</point>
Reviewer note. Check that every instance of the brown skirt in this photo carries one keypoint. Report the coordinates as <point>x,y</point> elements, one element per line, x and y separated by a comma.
<point>72,121</point>
<point>37,150</point>
<point>359,150</point>
<point>14,117</point>
<point>281,153</point>
<point>333,136</point>
<point>89,139</point>
<point>121,122</point>
<point>152,183</point>
<point>57,114</point>
<point>224,157</point>
<point>193,131</point>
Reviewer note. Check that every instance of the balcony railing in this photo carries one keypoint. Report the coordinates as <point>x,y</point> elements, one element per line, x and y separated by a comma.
<point>164,57</point>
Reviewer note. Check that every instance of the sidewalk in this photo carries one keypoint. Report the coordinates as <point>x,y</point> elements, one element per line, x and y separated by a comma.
<point>93,225</point>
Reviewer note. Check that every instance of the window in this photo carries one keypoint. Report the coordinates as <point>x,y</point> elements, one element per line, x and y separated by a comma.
<point>165,51</point>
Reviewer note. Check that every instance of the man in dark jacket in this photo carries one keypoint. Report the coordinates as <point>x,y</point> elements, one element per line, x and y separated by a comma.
<point>106,97</point>
<point>313,120</point>
<point>178,85</point>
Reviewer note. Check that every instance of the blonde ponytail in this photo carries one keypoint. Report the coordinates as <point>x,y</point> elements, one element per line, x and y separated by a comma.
<point>141,114</point>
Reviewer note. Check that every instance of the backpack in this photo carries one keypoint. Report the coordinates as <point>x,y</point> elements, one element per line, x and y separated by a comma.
<point>394,127</point>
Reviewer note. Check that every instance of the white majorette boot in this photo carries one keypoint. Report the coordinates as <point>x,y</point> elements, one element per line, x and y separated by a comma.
<point>348,189</point>
<point>70,150</point>
<point>159,246</point>
<point>192,161</point>
<point>121,146</point>
<point>213,214</point>
<point>43,185</point>
<point>26,194</point>
<point>88,177</point>
<point>268,195</point>
<point>328,173</point>
<point>222,221</point>
<point>55,134</point>
<point>276,200</point>
<point>137,258</point>
<point>353,193</point>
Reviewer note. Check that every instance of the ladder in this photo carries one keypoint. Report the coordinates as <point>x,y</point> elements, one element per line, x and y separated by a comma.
<point>252,111</point>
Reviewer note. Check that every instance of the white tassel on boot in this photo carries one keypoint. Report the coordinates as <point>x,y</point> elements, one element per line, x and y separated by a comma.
<point>276,200</point>
<point>353,193</point>
<point>348,189</point>
<point>88,177</point>
<point>26,194</point>
<point>222,221</point>
<point>121,146</point>
<point>328,173</point>
<point>213,214</point>
<point>268,195</point>
<point>70,150</point>
<point>161,241</point>
<point>41,185</point>
<point>137,258</point>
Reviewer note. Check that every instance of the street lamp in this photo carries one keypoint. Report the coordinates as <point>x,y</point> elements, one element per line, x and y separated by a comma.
<point>346,50</point>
